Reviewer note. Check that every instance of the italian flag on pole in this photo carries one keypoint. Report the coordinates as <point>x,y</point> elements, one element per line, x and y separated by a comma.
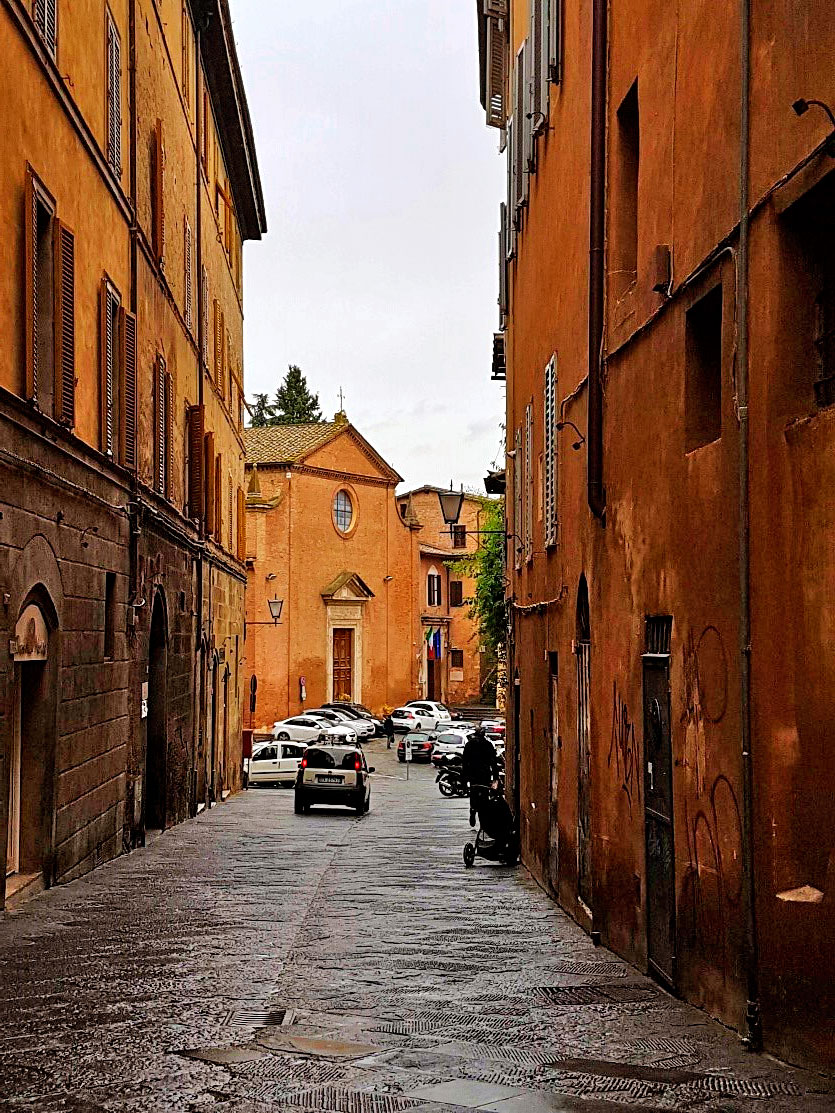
<point>430,644</point>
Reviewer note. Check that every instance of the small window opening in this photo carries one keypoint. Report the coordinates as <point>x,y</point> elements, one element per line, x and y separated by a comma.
<point>703,371</point>
<point>109,615</point>
<point>456,658</point>
<point>459,537</point>
<point>456,593</point>
<point>626,210</point>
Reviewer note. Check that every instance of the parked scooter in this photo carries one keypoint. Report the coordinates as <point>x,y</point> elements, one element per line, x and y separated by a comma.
<point>450,779</point>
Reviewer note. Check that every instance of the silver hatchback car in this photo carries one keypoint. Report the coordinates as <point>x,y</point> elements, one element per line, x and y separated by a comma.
<point>333,775</point>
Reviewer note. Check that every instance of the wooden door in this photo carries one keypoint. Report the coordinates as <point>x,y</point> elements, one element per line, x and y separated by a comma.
<point>583,651</point>
<point>343,665</point>
<point>431,680</point>
<point>13,830</point>
<point>554,825</point>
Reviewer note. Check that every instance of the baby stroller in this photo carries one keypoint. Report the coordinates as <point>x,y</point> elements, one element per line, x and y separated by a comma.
<point>497,838</point>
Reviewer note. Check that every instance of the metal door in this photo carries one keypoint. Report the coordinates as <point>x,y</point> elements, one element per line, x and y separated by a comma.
<point>583,651</point>
<point>658,807</point>
<point>343,661</point>
<point>553,820</point>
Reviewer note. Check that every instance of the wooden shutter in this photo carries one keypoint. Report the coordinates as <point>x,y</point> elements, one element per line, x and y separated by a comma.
<point>159,425</point>
<point>30,229</point>
<point>107,368</point>
<point>241,524</point>
<point>538,9</point>
<point>218,343</point>
<point>511,189</point>
<point>168,444</point>
<point>530,150</point>
<point>127,410</point>
<point>204,284</point>
<point>496,76</point>
<point>518,524</point>
<point>231,513</point>
<point>228,372</point>
<point>555,40</point>
<point>528,511</point>
<point>196,491</point>
<point>549,441</point>
<point>186,35</point>
<point>187,258</point>
<point>219,498</point>
<point>158,230</point>
<point>114,97</point>
<point>209,473</point>
<point>64,287</point>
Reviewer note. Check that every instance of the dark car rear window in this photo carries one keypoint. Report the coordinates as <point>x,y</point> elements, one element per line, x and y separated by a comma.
<point>401,714</point>
<point>319,759</point>
<point>349,761</point>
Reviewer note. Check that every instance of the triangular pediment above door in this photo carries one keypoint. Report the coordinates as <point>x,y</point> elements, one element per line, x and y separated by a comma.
<point>348,587</point>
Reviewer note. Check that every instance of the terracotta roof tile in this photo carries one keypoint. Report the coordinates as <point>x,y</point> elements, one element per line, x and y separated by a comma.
<point>285,444</point>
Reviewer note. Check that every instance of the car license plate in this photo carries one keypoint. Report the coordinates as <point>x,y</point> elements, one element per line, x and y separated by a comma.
<point>329,778</point>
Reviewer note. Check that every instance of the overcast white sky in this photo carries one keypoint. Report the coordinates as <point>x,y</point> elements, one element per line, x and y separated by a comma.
<point>382,184</point>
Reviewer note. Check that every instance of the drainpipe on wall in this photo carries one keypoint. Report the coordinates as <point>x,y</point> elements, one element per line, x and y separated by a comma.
<point>597,200</point>
<point>753,1021</point>
<point>201,22</point>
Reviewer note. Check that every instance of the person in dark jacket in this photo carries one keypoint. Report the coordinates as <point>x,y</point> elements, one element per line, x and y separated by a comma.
<point>388,729</point>
<point>480,768</point>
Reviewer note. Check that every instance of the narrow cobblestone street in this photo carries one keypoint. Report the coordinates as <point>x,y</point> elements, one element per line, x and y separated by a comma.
<point>254,959</point>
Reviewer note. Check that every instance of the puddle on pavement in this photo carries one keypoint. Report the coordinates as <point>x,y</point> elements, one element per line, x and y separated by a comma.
<point>320,1046</point>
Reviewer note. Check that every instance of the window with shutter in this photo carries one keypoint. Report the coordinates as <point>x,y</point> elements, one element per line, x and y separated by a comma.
<point>538,61</point>
<point>187,262</point>
<point>510,216</point>
<point>218,343</point>
<point>110,345</point>
<point>550,451</point>
<point>168,443</point>
<point>528,512</point>
<point>555,40</point>
<point>114,96</point>
<point>496,75</point>
<point>186,74</point>
<point>502,263</point>
<point>204,286</point>
<point>456,593</point>
<point>45,16</point>
<point>196,484</point>
<point>128,391</point>
<point>231,514</point>
<point>209,474</point>
<point>520,128</point>
<point>219,499</point>
<point>204,153</point>
<point>518,525</point>
<point>64,282</point>
<point>160,425</point>
<point>229,371</point>
<point>158,229</point>
<point>41,276</point>
<point>529,151</point>
<point>241,524</point>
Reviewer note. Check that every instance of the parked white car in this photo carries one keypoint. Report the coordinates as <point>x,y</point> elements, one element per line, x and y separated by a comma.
<point>412,718</point>
<point>275,763</point>
<point>363,727</point>
<point>448,742</point>
<point>310,728</point>
<point>431,708</point>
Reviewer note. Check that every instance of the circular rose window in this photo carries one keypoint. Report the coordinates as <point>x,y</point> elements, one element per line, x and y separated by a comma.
<point>343,511</point>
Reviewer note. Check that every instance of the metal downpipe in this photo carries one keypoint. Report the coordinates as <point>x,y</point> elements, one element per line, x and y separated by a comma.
<point>753,1038</point>
<point>597,214</point>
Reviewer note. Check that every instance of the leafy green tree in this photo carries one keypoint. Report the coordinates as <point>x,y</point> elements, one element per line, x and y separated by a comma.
<point>294,404</point>
<point>260,412</point>
<point>486,566</point>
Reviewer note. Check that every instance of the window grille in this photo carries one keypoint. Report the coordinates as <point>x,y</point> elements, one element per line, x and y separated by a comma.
<point>658,630</point>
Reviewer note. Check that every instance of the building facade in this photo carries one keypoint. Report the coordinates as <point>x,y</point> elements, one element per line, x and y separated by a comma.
<point>666,321</point>
<point>452,667</point>
<point>325,537</point>
<point>130,183</point>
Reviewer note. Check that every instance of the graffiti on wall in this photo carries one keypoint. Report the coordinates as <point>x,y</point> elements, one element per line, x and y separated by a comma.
<point>712,884</point>
<point>624,750</point>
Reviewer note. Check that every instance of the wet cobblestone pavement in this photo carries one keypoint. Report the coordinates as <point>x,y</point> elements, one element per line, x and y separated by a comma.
<point>255,960</point>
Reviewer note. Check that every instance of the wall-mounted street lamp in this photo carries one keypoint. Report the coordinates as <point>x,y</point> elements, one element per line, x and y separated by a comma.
<point>801,106</point>
<point>451,503</point>
<point>581,440</point>
<point>275,606</point>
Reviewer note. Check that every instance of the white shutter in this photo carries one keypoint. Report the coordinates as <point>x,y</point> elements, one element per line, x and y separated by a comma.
<point>510,245</point>
<point>550,442</point>
<point>50,10</point>
<point>555,40</point>
<point>528,153</point>
<point>521,128</point>
<point>502,262</point>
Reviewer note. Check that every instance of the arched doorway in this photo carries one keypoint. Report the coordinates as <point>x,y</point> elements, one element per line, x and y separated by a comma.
<point>211,727</point>
<point>156,752</point>
<point>31,810</point>
<point>583,651</point>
